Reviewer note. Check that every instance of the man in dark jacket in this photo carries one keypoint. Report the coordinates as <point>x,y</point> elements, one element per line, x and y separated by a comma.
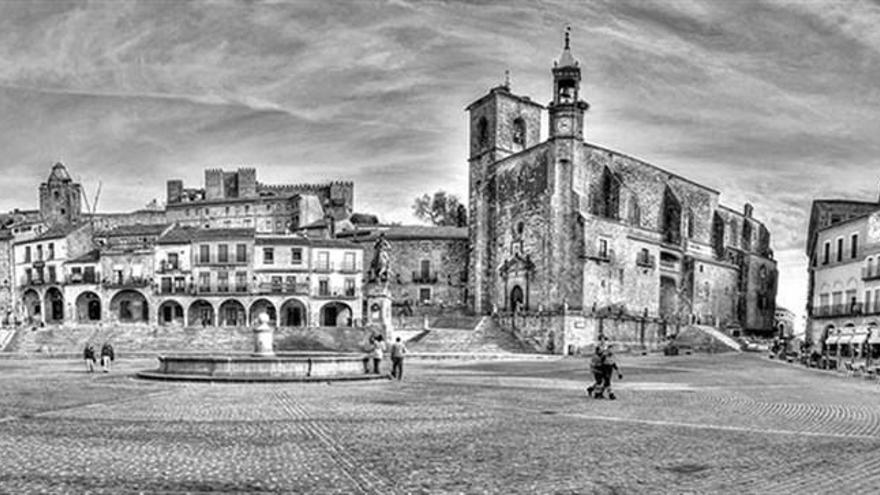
<point>107,356</point>
<point>597,367</point>
<point>89,357</point>
<point>609,366</point>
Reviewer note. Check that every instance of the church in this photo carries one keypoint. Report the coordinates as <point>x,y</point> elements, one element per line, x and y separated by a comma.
<point>561,225</point>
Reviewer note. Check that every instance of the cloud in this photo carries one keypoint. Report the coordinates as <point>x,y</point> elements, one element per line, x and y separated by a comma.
<point>772,102</point>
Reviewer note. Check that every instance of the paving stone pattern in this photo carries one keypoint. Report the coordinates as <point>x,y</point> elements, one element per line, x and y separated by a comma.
<point>689,424</point>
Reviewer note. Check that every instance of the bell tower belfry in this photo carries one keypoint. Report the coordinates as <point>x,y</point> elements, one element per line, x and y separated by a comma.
<point>567,109</point>
<point>502,124</point>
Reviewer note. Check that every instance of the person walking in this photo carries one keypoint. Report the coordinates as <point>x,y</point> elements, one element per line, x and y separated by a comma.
<point>378,352</point>
<point>398,350</point>
<point>609,368</point>
<point>89,357</point>
<point>107,355</point>
<point>597,363</point>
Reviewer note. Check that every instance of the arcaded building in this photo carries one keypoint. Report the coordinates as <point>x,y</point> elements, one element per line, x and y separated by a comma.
<point>562,224</point>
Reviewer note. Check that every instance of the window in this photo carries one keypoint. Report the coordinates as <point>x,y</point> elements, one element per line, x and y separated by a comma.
<point>603,248</point>
<point>323,260</point>
<point>39,252</point>
<point>51,253</point>
<point>179,284</point>
<point>349,287</point>
<point>247,208</point>
<point>51,274</point>
<point>173,261</point>
<point>826,253</point>
<point>223,253</point>
<point>348,262</point>
<point>482,132</point>
<point>519,132</point>
<point>854,246</point>
<point>227,211</point>
<point>425,267</point>
<point>268,256</point>
<point>323,287</point>
<point>222,281</point>
<point>296,256</point>
<point>276,282</point>
<point>290,281</point>
<point>28,275</point>
<point>166,285</point>
<point>840,249</point>
<point>27,254</point>
<point>425,295</point>
<point>204,282</point>
<point>89,275</point>
<point>241,282</point>
<point>204,254</point>
<point>868,307</point>
<point>241,253</point>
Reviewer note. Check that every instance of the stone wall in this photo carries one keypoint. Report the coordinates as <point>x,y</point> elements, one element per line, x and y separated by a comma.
<point>580,332</point>
<point>7,278</point>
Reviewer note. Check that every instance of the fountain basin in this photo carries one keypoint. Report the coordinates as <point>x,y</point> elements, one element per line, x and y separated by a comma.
<point>300,366</point>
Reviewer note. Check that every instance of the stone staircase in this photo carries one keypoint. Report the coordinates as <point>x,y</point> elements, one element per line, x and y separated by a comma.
<point>484,338</point>
<point>703,338</point>
<point>6,335</point>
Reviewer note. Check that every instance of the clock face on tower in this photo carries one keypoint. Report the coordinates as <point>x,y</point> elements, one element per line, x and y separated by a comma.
<point>563,126</point>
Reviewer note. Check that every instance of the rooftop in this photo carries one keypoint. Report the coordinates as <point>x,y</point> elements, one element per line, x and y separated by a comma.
<point>184,235</point>
<point>407,232</point>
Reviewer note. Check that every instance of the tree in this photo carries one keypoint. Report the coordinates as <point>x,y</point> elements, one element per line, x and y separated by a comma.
<point>440,209</point>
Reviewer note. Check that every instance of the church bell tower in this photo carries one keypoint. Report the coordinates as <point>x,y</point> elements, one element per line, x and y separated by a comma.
<point>567,110</point>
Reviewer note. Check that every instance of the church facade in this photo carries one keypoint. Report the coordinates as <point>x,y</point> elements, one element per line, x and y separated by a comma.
<point>559,224</point>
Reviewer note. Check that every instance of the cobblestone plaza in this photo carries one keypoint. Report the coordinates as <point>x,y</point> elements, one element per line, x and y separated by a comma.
<point>691,424</point>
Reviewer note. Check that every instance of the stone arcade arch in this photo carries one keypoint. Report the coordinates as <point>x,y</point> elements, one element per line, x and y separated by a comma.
<point>336,314</point>
<point>54,305</point>
<point>170,313</point>
<point>263,306</point>
<point>232,314</point>
<point>130,306</point>
<point>200,314</point>
<point>88,307</point>
<point>33,306</point>
<point>293,313</point>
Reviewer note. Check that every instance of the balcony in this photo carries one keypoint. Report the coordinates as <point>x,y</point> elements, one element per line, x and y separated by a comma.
<point>125,283</point>
<point>337,293</point>
<point>870,274</point>
<point>349,268</point>
<point>646,261</point>
<point>833,310</point>
<point>323,268</point>
<point>81,278</point>
<point>219,290</point>
<point>300,289</point>
<point>424,278</point>
<point>167,267</point>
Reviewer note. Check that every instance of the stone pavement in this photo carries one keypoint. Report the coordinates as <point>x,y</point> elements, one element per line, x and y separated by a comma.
<point>688,424</point>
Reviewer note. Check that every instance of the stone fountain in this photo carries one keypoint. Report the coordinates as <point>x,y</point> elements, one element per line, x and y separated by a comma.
<point>262,365</point>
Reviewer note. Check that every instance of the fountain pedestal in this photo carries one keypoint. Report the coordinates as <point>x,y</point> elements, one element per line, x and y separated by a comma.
<point>263,338</point>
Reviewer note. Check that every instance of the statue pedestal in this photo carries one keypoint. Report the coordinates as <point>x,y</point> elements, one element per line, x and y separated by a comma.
<point>379,307</point>
<point>263,338</point>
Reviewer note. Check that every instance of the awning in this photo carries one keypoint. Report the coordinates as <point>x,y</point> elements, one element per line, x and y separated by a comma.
<point>859,338</point>
<point>832,340</point>
<point>844,339</point>
<point>875,337</point>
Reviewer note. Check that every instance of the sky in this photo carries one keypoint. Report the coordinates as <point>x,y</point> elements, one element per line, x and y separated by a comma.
<point>772,102</point>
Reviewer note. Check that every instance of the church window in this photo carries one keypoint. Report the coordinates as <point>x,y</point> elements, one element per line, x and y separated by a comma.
<point>483,132</point>
<point>635,214</point>
<point>57,195</point>
<point>690,225</point>
<point>671,218</point>
<point>609,202</point>
<point>519,131</point>
<point>826,253</point>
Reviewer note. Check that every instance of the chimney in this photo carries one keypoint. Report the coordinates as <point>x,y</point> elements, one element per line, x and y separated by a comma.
<point>747,210</point>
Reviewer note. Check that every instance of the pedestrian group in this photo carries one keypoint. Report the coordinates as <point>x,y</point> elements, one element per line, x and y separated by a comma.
<point>107,356</point>
<point>603,365</point>
<point>377,348</point>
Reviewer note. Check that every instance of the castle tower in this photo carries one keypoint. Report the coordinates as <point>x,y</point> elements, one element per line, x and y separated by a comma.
<point>566,109</point>
<point>502,124</point>
<point>60,198</point>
